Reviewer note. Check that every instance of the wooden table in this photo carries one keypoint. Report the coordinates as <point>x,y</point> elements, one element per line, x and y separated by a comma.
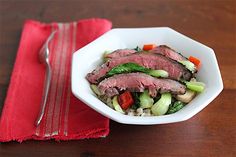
<point>212,132</point>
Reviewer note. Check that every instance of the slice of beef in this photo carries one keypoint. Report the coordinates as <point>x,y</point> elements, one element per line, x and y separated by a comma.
<point>138,82</point>
<point>120,53</point>
<point>168,52</point>
<point>153,61</point>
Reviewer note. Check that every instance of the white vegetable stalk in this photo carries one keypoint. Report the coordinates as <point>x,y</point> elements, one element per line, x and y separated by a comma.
<point>162,105</point>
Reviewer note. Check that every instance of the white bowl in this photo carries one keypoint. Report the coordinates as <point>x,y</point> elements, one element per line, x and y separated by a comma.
<point>89,57</point>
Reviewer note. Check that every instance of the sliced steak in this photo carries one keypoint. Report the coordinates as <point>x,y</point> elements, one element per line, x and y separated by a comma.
<point>154,61</point>
<point>138,82</point>
<point>120,53</point>
<point>168,52</point>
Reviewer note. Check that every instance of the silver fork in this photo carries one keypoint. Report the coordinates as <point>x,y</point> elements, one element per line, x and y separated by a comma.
<point>44,58</point>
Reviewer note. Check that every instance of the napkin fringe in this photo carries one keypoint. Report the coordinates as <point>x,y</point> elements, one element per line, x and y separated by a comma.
<point>96,133</point>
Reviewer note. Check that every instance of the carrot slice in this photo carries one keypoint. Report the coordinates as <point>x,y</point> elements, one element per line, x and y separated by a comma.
<point>148,47</point>
<point>195,61</point>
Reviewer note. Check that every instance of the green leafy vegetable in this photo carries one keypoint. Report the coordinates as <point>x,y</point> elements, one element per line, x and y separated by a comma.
<point>145,100</point>
<point>176,106</point>
<point>136,100</point>
<point>138,49</point>
<point>133,67</point>
<point>126,68</point>
<point>162,105</point>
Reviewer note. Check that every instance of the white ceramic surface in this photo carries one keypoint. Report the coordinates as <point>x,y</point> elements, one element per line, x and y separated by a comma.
<point>90,56</point>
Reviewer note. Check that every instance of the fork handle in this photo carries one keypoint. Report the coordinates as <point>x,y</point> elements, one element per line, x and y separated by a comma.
<point>45,94</point>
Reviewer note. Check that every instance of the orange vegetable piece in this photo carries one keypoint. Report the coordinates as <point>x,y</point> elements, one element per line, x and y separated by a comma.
<point>195,61</point>
<point>148,47</point>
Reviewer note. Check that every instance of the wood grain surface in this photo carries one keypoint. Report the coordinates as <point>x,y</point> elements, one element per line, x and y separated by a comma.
<point>211,133</point>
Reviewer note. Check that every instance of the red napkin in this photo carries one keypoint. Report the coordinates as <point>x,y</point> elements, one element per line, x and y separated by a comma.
<point>66,117</point>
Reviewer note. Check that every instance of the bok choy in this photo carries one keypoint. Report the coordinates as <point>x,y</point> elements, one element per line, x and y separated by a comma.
<point>133,67</point>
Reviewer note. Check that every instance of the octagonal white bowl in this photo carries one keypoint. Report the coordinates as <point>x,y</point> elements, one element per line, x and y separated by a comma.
<point>89,57</point>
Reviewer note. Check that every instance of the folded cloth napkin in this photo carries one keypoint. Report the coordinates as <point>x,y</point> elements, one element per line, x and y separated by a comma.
<point>65,116</point>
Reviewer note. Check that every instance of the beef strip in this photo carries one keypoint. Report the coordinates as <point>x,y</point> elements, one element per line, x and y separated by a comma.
<point>120,53</point>
<point>153,61</point>
<point>138,82</point>
<point>168,52</point>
